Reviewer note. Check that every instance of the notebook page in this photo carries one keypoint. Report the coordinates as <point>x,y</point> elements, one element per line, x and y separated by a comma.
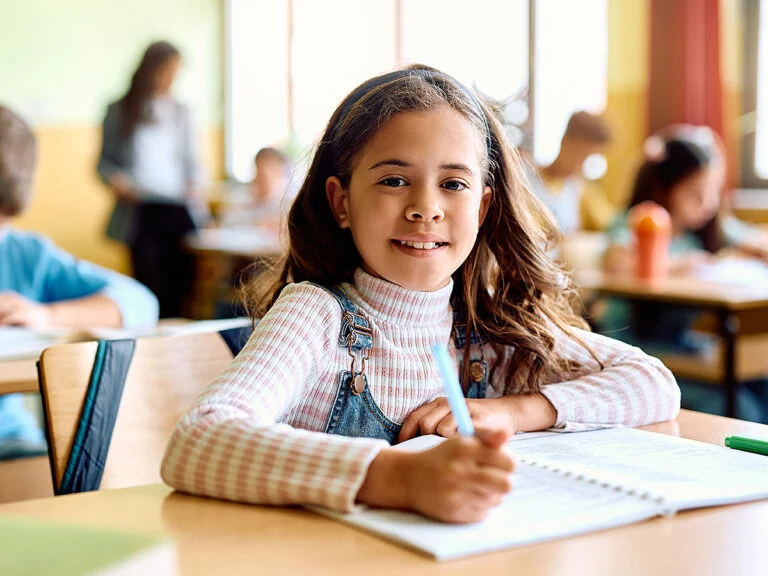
<point>542,506</point>
<point>428,441</point>
<point>688,474</point>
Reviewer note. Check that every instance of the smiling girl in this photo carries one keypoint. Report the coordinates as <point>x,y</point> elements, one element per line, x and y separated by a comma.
<point>412,228</point>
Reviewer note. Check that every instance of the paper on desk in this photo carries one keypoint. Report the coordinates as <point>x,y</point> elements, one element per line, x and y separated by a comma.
<point>740,272</point>
<point>24,343</point>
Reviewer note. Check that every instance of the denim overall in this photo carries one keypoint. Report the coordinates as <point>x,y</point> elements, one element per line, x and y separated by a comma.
<point>354,412</point>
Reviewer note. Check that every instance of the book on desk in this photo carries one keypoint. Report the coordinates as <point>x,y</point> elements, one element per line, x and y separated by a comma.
<point>38,547</point>
<point>570,484</point>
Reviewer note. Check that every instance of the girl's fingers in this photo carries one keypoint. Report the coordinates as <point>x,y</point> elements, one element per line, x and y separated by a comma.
<point>411,424</point>
<point>428,423</point>
<point>447,427</point>
<point>491,480</point>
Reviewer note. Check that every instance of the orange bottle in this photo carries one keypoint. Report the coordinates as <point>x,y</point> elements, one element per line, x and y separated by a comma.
<point>652,227</point>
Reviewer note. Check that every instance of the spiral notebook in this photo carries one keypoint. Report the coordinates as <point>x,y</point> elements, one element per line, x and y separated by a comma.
<point>570,484</point>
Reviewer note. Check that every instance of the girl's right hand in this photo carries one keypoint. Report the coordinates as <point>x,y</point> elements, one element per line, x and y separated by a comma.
<point>458,481</point>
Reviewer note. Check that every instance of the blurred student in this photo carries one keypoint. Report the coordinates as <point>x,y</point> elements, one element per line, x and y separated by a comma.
<point>576,202</point>
<point>41,286</point>
<point>149,160</point>
<point>684,172</point>
<point>266,193</point>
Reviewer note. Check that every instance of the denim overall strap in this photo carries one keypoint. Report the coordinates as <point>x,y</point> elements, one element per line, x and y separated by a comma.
<point>355,412</point>
<point>478,367</point>
<point>97,418</point>
<point>355,328</point>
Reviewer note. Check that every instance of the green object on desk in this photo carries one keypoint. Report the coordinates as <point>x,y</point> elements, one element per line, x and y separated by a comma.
<point>32,547</point>
<point>747,444</point>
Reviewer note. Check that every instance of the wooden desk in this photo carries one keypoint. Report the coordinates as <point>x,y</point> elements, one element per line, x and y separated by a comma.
<point>216,537</point>
<point>751,205</point>
<point>18,376</point>
<point>221,256</point>
<point>741,310</point>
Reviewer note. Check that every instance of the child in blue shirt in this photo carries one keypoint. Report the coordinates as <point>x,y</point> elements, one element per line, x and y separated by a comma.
<point>43,286</point>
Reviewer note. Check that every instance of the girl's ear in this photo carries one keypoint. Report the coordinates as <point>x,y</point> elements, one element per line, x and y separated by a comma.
<point>485,202</point>
<point>338,200</point>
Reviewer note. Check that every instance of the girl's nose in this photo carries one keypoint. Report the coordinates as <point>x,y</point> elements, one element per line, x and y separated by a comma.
<point>424,207</point>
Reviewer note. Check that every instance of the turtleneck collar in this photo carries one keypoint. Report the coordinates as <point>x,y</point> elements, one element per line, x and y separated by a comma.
<point>392,303</point>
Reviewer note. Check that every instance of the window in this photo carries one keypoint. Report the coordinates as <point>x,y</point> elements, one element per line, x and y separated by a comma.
<point>336,45</point>
<point>754,125</point>
<point>571,68</point>
<point>257,112</point>
<point>761,116</point>
<point>290,62</point>
<point>483,44</point>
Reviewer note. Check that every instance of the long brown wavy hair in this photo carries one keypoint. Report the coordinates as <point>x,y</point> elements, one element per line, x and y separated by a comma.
<point>508,290</point>
<point>142,87</point>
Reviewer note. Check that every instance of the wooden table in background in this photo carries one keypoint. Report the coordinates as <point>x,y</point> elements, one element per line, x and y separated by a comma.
<point>221,256</point>
<point>751,205</point>
<point>19,374</point>
<point>741,310</point>
<point>215,537</point>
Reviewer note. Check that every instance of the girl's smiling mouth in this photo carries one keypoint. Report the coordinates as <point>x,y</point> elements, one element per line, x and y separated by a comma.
<point>419,247</point>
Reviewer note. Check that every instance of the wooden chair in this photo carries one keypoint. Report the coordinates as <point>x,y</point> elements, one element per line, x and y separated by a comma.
<point>165,377</point>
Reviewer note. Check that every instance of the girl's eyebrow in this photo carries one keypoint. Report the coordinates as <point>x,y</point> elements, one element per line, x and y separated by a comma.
<point>404,164</point>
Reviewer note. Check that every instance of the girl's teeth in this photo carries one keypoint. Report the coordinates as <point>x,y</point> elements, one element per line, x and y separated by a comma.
<point>419,245</point>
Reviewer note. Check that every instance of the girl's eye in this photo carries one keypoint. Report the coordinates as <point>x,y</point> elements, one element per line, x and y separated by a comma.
<point>394,182</point>
<point>454,185</point>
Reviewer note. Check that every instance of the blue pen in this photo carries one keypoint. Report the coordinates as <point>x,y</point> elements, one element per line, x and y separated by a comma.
<point>453,390</point>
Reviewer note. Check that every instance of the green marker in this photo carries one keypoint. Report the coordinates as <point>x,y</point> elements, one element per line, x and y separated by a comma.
<point>747,444</point>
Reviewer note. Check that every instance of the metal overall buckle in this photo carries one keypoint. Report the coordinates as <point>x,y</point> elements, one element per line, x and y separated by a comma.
<point>357,384</point>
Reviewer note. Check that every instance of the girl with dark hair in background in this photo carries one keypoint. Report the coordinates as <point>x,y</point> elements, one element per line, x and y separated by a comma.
<point>684,172</point>
<point>148,159</point>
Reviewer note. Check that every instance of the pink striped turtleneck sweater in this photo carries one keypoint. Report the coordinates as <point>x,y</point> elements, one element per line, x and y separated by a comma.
<point>256,433</point>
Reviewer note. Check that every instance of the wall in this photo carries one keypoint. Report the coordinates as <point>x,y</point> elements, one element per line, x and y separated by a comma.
<point>628,79</point>
<point>732,73</point>
<point>626,108</point>
<point>62,62</point>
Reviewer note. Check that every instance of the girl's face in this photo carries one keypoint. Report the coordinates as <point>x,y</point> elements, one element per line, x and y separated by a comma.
<point>695,201</point>
<point>166,74</point>
<point>416,198</point>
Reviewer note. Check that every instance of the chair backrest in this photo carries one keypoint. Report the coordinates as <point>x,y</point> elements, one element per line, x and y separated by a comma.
<point>165,377</point>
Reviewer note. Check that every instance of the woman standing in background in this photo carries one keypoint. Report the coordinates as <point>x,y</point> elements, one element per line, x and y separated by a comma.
<point>149,160</point>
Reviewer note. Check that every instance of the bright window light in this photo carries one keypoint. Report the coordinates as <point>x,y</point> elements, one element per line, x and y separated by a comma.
<point>571,68</point>
<point>761,133</point>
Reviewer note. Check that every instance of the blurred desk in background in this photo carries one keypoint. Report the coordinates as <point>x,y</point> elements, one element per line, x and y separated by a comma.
<point>18,366</point>
<point>223,195</point>
<point>751,205</point>
<point>222,256</point>
<point>742,323</point>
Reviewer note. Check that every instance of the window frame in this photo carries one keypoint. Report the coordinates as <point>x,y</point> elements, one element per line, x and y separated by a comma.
<point>397,6</point>
<point>749,177</point>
